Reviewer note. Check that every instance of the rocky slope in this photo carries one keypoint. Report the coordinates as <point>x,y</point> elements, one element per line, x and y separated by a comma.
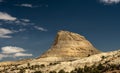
<point>69,65</point>
<point>69,44</point>
<point>106,59</point>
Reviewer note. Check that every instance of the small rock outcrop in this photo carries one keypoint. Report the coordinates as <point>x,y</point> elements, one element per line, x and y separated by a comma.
<point>69,44</point>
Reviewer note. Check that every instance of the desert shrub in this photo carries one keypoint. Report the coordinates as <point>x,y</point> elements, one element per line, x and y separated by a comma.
<point>73,71</point>
<point>22,71</point>
<point>52,72</point>
<point>28,64</point>
<point>86,69</point>
<point>54,63</point>
<point>100,67</point>
<point>103,57</point>
<point>61,71</point>
<point>107,62</point>
<point>95,70</point>
<point>42,65</point>
<point>88,55</point>
<point>37,72</point>
<point>79,70</point>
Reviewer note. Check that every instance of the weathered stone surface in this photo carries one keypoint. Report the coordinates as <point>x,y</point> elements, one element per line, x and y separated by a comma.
<point>69,44</point>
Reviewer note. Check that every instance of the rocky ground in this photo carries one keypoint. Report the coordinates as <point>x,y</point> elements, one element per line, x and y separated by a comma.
<point>45,65</point>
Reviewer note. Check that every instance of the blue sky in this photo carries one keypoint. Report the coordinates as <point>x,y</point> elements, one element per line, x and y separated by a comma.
<point>28,27</point>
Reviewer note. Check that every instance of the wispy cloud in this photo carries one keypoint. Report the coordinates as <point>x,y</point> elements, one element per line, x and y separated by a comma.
<point>22,54</point>
<point>40,28</point>
<point>10,19</point>
<point>4,33</point>
<point>5,16</point>
<point>22,24</point>
<point>110,1</point>
<point>26,5</point>
<point>10,49</point>
<point>25,20</point>
<point>12,52</point>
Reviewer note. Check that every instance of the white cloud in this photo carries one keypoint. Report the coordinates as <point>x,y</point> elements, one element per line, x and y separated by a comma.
<point>40,28</point>
<point>13,20</point>
<point>22,54</point>
<point>22,29</point>
<point>110,1</point>
<point>5,16</point>
<point>13,52</point>
<point>25,20</point>
<point>4,33</point>
<point>21,22</point>
<point>10,50</point>
<point>26,5</point>
<point>8,19</point>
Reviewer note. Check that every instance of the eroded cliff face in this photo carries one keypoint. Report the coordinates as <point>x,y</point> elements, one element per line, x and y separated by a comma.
<point>69,44</point>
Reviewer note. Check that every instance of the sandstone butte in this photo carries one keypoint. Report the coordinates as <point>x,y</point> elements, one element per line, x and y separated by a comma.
<point>69,44</point>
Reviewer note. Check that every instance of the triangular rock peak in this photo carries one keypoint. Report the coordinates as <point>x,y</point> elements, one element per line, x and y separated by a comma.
<point>69,44</point>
